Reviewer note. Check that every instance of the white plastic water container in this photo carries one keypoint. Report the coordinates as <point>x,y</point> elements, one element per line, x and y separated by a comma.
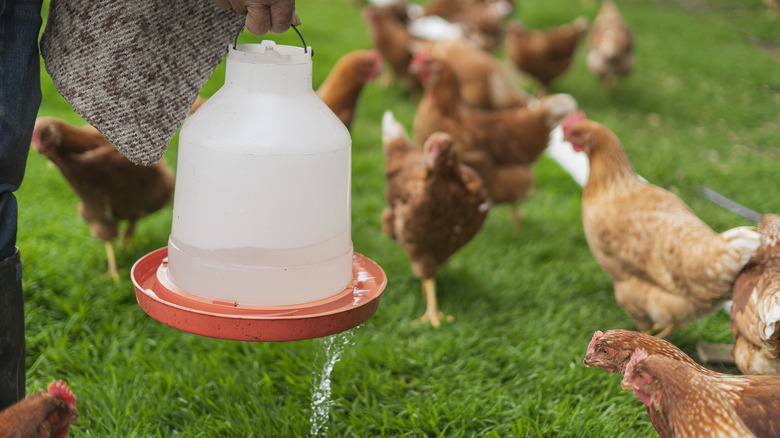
<point>261,211</point>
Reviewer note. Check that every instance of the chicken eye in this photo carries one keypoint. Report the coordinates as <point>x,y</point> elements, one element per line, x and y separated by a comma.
<point>605,352</point>
<point>641,376</point>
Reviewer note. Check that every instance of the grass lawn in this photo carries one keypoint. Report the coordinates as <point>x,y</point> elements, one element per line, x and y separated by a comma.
<point>703,107</point>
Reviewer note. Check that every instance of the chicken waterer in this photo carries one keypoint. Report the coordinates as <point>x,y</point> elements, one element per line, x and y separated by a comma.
<point>260,246</point>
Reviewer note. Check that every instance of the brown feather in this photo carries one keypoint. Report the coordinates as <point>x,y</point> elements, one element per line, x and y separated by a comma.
<point>689,404</point>
<point>431,211</point>
<point>756,309</point>
<point>38,415</point>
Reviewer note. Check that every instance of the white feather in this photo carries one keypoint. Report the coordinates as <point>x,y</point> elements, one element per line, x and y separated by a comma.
<point>769,313</point>
<point>573,162</point>
<point>391,128</point>
<point>435,28</point>
<point>742,242</point>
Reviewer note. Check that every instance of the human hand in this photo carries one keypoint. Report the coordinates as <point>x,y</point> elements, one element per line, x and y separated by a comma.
<point>264,15</point>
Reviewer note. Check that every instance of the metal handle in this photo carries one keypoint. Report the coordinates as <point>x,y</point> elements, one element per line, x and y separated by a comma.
<point>305,49</point>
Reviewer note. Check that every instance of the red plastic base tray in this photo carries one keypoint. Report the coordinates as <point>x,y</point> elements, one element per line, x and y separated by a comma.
<point>225,319</point>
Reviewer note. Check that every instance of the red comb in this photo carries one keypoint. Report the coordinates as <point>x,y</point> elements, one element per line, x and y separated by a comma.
<point>61,390</point>
<point>596,337</point>
<point>638,356</point>
<point>571,120</point>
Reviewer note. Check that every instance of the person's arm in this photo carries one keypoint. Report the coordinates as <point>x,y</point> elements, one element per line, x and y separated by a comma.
<point>263,16</point>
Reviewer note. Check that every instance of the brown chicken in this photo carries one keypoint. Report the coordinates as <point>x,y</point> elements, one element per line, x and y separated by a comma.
<point>688,403</point>
<point>544,54</point>
<point>435,205</point>
<point>613,349</point>
<point>484,83</point>
<point>391,38</point>
<point>610,46</point>
<point>111,188</point>
<point>755,314</point>
<point>668,267</point>
<point>500,145</point>
<point>341,89</point>
<point>45,414</point>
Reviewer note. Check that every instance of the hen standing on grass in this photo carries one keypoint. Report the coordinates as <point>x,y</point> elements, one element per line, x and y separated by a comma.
<point>688,403</point>
<point>668,267</point>
<point>111,188</point>
<point>544,54</point>
<point>435,205</point>
<point>391,38</point>
<point>342,87</point>
<point>755,314</point>
<point>753,397</point>
<point>610,46</point>
<point>45,414</point>
<point>500,145</point>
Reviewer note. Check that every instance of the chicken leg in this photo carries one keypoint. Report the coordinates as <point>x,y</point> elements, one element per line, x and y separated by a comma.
<point>664,331</point>
<point>112,270</point>
<point>128,236</point>
<point>517,217</point>
<point>432,313</point>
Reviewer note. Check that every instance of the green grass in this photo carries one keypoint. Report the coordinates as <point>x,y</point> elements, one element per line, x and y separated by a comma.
<point>703,107</point>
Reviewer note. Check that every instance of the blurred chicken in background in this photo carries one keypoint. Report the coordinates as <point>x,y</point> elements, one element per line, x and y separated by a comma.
<point>342,87</point>
<point>544,54</point>
<point>501,145</point>
<point>110,187</point>
<point>610,46</point>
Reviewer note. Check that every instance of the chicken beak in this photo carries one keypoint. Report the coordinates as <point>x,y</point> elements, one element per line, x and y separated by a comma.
<point>625,385</point>
<point>588,362</point>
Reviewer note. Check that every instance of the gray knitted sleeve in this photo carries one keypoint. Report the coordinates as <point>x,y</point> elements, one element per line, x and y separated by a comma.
<point>133,69</point>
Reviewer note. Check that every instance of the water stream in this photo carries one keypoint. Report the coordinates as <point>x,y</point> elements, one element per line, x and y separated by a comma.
<point>328,355</point>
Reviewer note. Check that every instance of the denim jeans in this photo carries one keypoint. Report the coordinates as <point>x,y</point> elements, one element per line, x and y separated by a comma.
<point>20,96</point>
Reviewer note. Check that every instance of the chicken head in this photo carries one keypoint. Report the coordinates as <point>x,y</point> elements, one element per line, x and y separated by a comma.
<point>602,354</point>
<point>639,380</point>
<point>60,420</point>
<point>579,139</point>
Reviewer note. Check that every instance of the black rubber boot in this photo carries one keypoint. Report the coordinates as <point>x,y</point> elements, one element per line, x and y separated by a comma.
<point>12,365</point>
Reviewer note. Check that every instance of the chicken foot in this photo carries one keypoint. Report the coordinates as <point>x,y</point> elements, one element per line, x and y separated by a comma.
<point>432,313</point>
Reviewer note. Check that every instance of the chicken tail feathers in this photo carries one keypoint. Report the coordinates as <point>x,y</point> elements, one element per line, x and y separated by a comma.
<point>768,311</point>
<point>392,129</point>
<point>558,106</point>
<point>742,243</point>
